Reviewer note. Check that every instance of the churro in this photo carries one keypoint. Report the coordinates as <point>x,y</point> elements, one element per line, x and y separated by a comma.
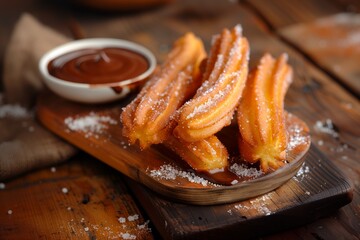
<point>224,78</point>
<point>261,116</point>
<point>148,118</point>
<point>207,155</point>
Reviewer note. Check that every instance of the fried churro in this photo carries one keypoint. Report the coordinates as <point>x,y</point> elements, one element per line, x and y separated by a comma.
<point>224,78</point>
<point>206,155</point>
<point>261,116</point>
<point>147,119</point>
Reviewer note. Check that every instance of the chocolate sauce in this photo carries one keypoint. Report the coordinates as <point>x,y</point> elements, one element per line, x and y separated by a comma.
<point>98,66</point>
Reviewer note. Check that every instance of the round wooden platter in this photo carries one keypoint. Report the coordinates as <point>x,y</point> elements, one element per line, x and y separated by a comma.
<point>157,167</point>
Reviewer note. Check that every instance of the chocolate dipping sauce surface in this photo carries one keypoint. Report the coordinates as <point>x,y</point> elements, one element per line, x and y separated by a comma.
<point>98,66</point>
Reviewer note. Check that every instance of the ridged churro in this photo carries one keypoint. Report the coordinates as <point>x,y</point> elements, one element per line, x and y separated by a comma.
<point>147,119</point>
<point>206,155</point>
<point>261,116</point>
<point>224,78</point>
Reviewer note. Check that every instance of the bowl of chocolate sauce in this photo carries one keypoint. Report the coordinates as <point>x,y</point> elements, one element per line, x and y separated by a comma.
<point>96,70</point>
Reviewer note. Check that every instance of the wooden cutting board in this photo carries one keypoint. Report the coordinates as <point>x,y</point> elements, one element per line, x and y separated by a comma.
<point>316,189</point>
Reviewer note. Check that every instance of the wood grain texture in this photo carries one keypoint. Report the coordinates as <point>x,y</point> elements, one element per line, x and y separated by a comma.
<point>282,13</point>
<point>324,31</point>
<point>96,198</point>
<point>334,43</point>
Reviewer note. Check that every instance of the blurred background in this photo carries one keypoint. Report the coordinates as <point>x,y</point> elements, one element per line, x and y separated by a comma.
<point>67,16</point>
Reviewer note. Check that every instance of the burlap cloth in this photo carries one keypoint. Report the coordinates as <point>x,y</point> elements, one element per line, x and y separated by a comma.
<point>24,144</point>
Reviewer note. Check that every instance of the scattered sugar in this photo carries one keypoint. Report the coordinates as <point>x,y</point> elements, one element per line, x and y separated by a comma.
<point>242,170</point>
<point>53,169</point>
<point>65,190</point>
<point>10,212</point>
<point>169,172</point>
<point>258,204</point>
<point>91,123</point>
<point>133,217</point>
<point>297,136</point>
<point>127,236</point>
<point>320,142</point>
<point>327,127</point>
<point>144,226</point>
<point>122,220</point>
<point>69,208</point>
<point>86,229</point>
<point>14,111</point>
<point>2,185</point>
<point>301,174</point>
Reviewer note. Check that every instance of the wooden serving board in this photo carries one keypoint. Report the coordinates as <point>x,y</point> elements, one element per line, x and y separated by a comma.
<point>316,188</point>
<point>99,132</point>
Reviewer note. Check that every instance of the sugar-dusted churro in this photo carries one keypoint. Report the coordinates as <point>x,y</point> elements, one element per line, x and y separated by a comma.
<point>207,155</point>
<point>147,119</point>
<point>224,78</point>
<point>261,116</point>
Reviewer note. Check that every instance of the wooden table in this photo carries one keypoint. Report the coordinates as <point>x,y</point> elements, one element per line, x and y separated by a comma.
<point>86,199</point>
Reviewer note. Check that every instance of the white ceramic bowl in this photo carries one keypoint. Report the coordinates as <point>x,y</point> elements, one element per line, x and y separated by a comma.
<point>99,93</point>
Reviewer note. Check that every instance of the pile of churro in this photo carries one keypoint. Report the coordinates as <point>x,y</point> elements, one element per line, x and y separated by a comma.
<point>195,94</point>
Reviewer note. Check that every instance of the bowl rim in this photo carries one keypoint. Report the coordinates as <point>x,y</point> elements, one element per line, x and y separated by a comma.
<point>96,43</point>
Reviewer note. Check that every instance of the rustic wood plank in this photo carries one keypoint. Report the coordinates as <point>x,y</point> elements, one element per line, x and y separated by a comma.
<point>331,43</point>
<point>80,199</point>
<point>334,43</point>
<point>282,13</point>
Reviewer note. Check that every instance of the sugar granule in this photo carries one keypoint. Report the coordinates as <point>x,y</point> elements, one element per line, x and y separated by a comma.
<point>121,219</point>
<point>10,212</point>
<point>127,236</point>
<point>53,169</point>
<point>2,185</point>
<point>64,190</point>
<point>133,217</point>
<point>86,229</point>
<point>144,226</point>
